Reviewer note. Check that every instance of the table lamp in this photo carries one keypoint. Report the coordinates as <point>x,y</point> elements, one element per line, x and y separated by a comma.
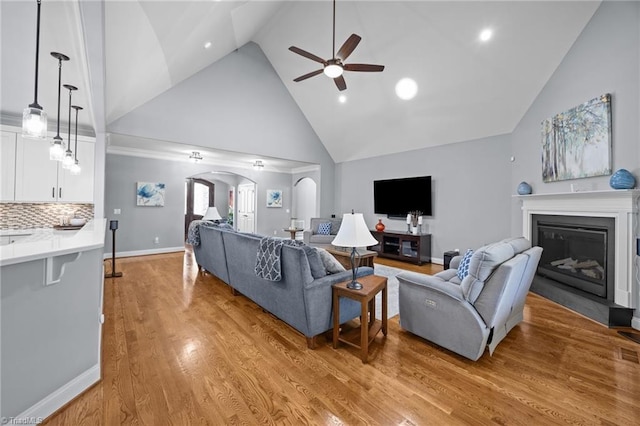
<point>354,233</point>
<point>212,214</point>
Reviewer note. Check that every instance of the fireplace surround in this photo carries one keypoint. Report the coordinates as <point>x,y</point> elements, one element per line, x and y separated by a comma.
<point>606,217</point>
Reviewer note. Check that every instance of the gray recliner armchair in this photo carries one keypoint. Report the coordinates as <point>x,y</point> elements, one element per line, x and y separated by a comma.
<point>312,236</point>
<point>466,316</point>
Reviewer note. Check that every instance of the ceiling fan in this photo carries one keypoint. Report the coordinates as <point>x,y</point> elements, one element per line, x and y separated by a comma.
<point>335,66</point>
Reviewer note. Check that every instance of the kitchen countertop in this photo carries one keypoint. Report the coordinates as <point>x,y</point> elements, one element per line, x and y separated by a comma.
<point>46,242</point>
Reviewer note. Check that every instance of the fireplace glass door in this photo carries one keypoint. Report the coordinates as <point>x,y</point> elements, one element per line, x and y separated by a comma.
<point>575,256</point>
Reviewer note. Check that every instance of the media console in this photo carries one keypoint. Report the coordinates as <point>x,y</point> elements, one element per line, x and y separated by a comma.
<point>403,246</point>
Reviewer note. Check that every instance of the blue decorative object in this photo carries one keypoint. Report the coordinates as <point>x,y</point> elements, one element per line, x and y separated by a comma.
<point>622,179</point>
<point>524,188</point>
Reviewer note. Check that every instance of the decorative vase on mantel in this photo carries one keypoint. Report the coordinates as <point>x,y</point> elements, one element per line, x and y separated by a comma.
<point>524,188</point>
<point>380,226</point>
<point>622,179</point>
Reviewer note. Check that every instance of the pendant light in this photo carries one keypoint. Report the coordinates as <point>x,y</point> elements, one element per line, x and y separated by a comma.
<point>34,119</point>
<point>56,151</point>
<point>68,161</point>
<point>75,168</point>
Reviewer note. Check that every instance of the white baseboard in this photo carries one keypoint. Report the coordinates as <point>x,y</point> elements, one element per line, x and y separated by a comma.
<point>437,260</point>
<point>144,252</point>
<point>61,396</point>
<point>635,323</point>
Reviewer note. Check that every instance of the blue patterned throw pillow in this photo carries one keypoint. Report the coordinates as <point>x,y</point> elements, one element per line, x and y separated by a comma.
<point>463,268</point>
<point>324,228</point>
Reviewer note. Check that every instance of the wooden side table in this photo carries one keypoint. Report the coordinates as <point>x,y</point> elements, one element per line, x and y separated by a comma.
<point>362,336</point>
<point>293,232</point>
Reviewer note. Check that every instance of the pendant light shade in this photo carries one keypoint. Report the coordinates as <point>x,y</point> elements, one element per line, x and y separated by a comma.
<point>68,159</point>
<point>56,151</point>
<point>75,168</point>
<point>34,119</point>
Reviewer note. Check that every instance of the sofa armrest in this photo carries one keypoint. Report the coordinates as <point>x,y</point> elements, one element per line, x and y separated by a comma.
<point>455,262</point>
<point>436,310</point>
<point>332,279</point>
<point>431,284</point>
<point>306,236</point>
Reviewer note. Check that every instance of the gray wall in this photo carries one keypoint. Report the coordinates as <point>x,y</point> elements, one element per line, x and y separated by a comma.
<point>475,183</point>
<point>237,104</point>
<point>470,190</point>
<point>604,59</point>
<point>138,226</point>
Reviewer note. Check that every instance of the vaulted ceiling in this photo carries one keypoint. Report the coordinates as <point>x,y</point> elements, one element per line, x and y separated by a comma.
<point>467,89</point>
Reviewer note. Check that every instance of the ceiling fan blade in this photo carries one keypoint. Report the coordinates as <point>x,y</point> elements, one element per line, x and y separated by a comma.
<point>307,54</point>
<point>342,85</point>
<point>348,46</point>
<point>306,76</point>
<point>363,67</point>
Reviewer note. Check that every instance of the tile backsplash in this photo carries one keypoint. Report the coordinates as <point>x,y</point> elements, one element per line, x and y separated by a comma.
<point>40,215</point>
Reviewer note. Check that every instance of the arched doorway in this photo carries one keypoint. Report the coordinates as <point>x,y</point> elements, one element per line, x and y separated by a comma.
<point>304,199</point>
<point>224,189</point>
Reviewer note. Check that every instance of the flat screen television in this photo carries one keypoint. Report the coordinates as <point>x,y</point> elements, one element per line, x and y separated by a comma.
<point>397,197</point>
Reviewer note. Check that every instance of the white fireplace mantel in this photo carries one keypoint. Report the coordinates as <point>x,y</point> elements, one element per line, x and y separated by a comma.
<point>622,205</point>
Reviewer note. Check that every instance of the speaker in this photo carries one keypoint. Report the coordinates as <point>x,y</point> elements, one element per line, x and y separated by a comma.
<point>448,255</point>
<point>113,225</point>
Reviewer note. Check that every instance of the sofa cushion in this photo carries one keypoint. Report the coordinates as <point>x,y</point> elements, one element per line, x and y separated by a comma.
<point>335,226</point>
<point>483,262</point>
<point>324,228</point>
<point>316,265</point>
<point>331,264</point>
<point>463,268</point>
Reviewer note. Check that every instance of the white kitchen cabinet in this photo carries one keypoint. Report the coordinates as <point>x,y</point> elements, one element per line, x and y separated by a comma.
<point>40,179</point>
<point>7,166</point>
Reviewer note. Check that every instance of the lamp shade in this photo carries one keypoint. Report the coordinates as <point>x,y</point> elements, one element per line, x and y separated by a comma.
<point>212,214</point>
<point>353,232</point>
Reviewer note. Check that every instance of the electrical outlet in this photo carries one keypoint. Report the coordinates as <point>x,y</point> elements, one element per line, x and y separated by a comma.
<point>156,240</point>
<point>116,211</point>
<point>275,232</point>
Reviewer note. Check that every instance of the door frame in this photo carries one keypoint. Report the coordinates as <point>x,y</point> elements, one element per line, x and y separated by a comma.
<point>189,215</point>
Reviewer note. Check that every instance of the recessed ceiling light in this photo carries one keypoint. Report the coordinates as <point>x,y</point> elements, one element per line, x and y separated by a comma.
<point>406,88</point>
<point>342,99</point>
<point>486,34</point>
<point>207,45</point>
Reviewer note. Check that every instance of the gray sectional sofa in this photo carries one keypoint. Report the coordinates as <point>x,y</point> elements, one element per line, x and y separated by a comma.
<point>298,298</point>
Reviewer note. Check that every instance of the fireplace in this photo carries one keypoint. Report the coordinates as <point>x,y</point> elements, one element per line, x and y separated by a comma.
<point>589,259</point>
<point>578,251</point>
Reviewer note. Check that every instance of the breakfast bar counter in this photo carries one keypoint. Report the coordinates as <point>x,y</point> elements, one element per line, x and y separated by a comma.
<point>32,244</point>
<point>51,287</point>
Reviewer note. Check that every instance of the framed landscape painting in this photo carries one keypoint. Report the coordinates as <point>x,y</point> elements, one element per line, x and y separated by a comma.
<point>577,143</point>
<point>274,197</point>
<point>150,194</point>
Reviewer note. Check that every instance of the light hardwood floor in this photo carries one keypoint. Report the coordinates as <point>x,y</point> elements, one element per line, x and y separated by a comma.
<point>179,348</point>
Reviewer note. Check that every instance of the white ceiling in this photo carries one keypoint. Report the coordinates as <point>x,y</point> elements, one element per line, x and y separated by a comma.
<point>467,89</point>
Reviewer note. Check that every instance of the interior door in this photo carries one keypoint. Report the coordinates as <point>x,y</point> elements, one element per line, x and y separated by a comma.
<point>246,207</point>
<point>199,195</point>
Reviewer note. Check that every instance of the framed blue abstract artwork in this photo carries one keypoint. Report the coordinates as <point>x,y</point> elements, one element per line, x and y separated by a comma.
<point>150,194</point>
<point>274,197</point>
<point>577,143</point>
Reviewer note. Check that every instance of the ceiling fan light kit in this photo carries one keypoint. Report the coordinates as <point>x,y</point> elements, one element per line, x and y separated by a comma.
<point>334,67</point>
